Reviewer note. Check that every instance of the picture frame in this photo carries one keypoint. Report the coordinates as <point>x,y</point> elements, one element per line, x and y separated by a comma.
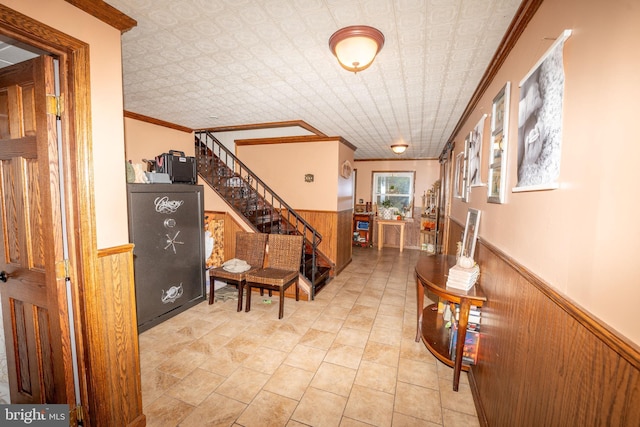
<point>459,184</point>
<point>470,233</point>
<point>466,187</point>
<point>497,179</point>
<point>473,154</point>
<point>540,111</point>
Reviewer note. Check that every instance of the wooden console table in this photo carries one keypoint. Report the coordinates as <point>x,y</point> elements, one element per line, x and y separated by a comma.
<point>382,223</point>
<point>432,272</point>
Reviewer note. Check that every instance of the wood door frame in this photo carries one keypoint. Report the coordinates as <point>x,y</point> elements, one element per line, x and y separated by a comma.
<point>76,154</point>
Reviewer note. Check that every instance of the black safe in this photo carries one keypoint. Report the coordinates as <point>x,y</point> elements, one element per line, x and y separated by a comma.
<point>166,226</point>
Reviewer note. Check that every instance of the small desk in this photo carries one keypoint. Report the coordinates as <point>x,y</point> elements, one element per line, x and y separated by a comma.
<point>382,223</point>
<point>432,272</point>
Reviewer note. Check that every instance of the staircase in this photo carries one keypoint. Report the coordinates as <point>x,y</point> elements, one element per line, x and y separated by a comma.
<point>260,206</point>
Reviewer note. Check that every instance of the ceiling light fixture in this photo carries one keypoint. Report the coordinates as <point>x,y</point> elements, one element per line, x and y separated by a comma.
<point>399,148</point>
<point>356,46</point>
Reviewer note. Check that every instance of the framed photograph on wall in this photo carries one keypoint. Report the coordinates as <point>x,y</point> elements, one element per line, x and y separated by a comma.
<point>459,184</point>
<point>540,121</point>
<point>497,180</point>
<point>465,170</point>
<point>473,148</point>
<point>470,233</point>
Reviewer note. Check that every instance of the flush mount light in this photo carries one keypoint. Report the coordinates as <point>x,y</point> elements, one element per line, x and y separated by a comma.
<point>356,46</point>
<point>399,148</point>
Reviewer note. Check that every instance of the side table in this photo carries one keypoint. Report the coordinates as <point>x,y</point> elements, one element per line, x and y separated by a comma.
<point>432,272</point>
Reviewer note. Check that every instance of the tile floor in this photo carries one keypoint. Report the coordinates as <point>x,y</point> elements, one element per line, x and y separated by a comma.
<point>348,358</point>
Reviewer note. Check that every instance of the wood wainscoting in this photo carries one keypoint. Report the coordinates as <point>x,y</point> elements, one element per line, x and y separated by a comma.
<point>114,371</point>
<point>544,361</point>
<point>336,231</point>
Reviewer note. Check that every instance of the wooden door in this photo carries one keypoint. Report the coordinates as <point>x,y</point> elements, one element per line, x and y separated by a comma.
<point>33,298</point>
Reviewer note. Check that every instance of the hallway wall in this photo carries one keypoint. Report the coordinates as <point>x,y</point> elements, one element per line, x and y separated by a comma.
<point>582,238</point>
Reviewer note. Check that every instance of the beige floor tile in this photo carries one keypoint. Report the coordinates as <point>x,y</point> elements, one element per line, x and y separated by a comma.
<point>359,322</point>
<point>353,337</point>
<point>377,377</point>
<point>336,311</point>
<point>381,353</point>
<point>289,381</point>
<point>418,373</point>
<point>166,412</point>
<point>319,408</point>
<point>323,364</point>
<point>195,387</point>
<point>183,363</point>
<point>305,357</point>
<point>268,410</point>
<point>350,422</point>
<point>364,311</point>
<point>461,400</point>
<point>410,349</point>
<point>243,385</point>
<point>318,339</point>
<point>418,402</point>
<point>216,411</point>
<point>334,379</point>
<point>328,324</point>
<point>395,310</point>
<point>390,322</point>
<point>283,340</point>
<point>224,362</point>
<point>458,419</point>
<point>383,335</point>
<point>154,384</point>
<point>344,355</point>
<point>402,420</point>
<point>265,360</point>
<point>370,406</point>
<point>245,342</point>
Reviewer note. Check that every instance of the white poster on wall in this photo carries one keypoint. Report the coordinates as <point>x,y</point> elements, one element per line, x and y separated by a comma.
<point>540,121</point>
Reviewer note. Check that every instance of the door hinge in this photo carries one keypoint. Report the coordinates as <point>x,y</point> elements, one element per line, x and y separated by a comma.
<point>79,415</point>
<point>54,105</point>
<point>62,269</point>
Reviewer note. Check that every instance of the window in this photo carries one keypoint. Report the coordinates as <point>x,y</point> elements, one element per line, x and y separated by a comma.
<point>397,187</point>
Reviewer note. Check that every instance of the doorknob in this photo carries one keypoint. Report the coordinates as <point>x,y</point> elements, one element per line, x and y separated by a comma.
<point>3,276</point>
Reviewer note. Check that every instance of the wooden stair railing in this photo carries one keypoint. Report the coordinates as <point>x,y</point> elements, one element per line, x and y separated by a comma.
<point>260,206</point>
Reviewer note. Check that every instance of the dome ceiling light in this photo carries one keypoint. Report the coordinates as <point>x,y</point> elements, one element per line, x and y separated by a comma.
<point>399,148</point>
<point>356,47</point>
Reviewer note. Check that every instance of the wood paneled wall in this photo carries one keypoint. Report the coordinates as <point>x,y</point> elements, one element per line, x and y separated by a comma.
<point>115,368</point>
<point>335,228</point>
<point>544,361</point>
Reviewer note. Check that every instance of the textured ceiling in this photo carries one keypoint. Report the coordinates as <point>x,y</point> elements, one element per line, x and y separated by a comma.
<point>212,63</point>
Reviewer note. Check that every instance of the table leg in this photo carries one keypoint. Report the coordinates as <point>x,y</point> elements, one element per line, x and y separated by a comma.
<point>420,308</point>
<point>401,237</point>
<point>462,335</point>
<point>380,235</point>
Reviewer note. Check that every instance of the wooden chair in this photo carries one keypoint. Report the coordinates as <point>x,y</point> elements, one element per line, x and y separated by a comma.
<point>250,247</point>
<point>283,267</point>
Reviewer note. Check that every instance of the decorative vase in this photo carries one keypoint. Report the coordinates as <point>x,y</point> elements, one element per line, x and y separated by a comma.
<point>386,213</point>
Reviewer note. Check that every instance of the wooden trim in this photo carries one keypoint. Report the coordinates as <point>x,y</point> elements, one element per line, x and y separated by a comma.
<point>294,140</point>
<point>290,123</point>
<point>626,349</point>
<point>128,247</point>
<point>87,299</point>
<point>147,119</point>
<point>404,159</point>
<point>106,13</point>
<point>523,15</point>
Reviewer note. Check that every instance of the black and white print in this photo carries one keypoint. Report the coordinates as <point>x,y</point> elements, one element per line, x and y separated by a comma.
<point>540,121</point>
